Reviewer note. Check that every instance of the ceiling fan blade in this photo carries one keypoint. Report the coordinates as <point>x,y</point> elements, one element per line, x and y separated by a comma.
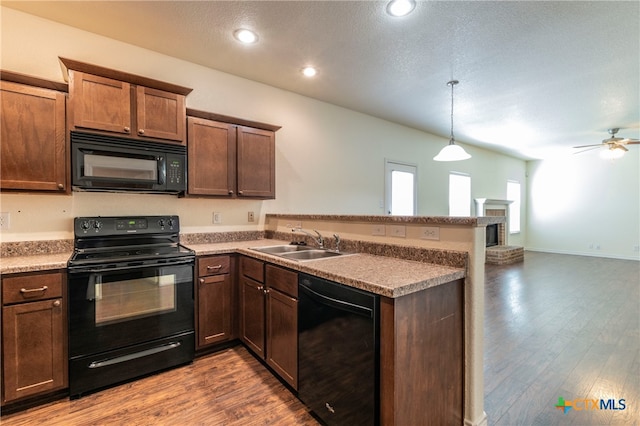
<point>592,147</point>
<point>622,147</point>
<point>633,142</point>
<point>629,141</point>
<point>587,146</point>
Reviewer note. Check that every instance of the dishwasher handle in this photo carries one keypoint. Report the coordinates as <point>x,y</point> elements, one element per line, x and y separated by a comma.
<point>335,303</point>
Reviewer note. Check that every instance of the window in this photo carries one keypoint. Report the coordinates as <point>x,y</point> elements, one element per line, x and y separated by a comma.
<point>513,194</point>
<point>459,194</point>
<point>401,188</point>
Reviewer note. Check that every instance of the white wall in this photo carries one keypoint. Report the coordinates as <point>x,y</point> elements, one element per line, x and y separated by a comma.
<point>582,204</point>
<point>329,159</point>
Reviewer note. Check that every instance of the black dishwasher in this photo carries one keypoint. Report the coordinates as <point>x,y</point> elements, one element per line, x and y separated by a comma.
<point>338,352</point>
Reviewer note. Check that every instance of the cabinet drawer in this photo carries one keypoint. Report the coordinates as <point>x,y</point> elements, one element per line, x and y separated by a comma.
<point>213,265</point>
<point>28,288</point>
<point>252,268</point>
<point>282,279</point>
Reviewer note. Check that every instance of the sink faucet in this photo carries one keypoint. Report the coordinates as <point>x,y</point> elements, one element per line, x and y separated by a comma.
<point>337,237</point>
<point>319,239</point>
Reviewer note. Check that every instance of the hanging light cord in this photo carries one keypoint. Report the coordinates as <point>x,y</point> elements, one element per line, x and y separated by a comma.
<point>452,83</point>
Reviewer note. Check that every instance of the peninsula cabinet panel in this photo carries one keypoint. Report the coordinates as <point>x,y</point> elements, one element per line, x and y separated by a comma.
<point>256,163</point>
<point>212,157</point>
<point>422,357</point>
<point>34,338</point>
<point>33,149</point>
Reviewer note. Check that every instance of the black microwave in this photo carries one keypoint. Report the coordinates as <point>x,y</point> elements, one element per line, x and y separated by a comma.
<point>109,163</point>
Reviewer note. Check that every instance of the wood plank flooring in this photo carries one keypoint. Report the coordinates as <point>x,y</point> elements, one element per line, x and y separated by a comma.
<point>560,325</point>
<point>555,325</point>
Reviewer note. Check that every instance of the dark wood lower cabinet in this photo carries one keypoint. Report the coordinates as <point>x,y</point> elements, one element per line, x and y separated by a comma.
<point>34,335</point>
<point>269,316</point>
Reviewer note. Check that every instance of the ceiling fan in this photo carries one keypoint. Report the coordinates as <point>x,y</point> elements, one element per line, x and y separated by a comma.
<point>616,147</point>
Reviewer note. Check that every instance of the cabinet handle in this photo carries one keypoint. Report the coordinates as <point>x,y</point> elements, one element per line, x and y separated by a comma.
<point>231,192</point>
<point>56,303</point>
<point>141,131</point>
<point>209,267</point>
<point>33,290</point>
<point>127,130</point>
<point>60,186</point>
<point>260,288</point>
<point>266,291</point>
<point>201,280</point>
<point>240,192</point>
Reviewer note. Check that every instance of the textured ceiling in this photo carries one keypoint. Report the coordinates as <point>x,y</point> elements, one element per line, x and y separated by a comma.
<point>534,76</point>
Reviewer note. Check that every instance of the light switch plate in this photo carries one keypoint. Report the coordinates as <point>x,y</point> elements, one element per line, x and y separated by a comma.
<point>217,217</point>
<point>4,220</point>
<point>378,230</point>
<point>398,231</point>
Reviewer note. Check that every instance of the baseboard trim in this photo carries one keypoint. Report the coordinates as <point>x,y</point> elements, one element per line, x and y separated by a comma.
<point>577,253</point>
<point>482,421</point>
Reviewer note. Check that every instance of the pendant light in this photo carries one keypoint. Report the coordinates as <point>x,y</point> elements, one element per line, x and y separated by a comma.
<point>452,152</point>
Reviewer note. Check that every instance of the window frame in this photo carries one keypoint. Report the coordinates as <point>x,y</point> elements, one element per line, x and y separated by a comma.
<point>389,167</point>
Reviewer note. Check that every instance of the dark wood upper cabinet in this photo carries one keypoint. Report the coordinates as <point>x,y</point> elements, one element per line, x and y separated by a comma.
<point>105,100</point>
<point>33,150</point>
<point>229,160</point>
<point>256,163</point>
<point>211,149</point>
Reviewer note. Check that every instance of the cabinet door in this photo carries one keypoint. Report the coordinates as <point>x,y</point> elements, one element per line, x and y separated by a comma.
<point>252,328</point>
<point>100,103</point>
<point>256,163</point>
<point>33,149</point>
<point>214,309</point>
<point>212,157</point>
<point>282,335</point>
<point>34,348</point>
<point>160,114</point>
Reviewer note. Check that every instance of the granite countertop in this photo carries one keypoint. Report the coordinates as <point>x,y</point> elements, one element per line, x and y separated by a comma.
<point>386,276</point>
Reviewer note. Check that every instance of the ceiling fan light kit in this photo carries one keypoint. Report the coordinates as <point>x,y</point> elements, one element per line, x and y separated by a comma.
<point>452,152</point>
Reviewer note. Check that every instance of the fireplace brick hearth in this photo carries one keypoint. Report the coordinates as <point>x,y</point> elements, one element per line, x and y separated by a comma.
<point>503,253</point>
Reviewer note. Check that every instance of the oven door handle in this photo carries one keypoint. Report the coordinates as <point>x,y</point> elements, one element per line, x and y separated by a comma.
<point>80,269</point>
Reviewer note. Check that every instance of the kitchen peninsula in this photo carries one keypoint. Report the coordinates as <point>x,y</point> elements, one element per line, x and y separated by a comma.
<point>401,271</point>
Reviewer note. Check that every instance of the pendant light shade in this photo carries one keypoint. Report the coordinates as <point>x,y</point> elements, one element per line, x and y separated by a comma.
<point>452,152</point>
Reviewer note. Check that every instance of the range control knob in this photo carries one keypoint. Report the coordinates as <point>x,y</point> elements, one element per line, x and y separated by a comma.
<point>171,223</point>
<point>161,223</point>
<point>85,225</point>
<point>97,225</point>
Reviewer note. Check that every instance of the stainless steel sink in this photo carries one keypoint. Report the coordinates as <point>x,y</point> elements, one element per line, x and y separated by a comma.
<point>288,248</point>
<point>295,252</point>
<point>310,254</point>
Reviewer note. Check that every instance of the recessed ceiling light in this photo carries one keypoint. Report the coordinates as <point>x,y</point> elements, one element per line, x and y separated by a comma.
<point>245,36</point>
<point>400,7</point>
<point>309,71</point>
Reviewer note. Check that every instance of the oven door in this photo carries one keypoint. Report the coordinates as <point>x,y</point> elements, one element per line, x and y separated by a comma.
<point>129,305</point>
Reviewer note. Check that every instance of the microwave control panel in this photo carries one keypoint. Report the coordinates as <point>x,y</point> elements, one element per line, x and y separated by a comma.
<point>176,172</point>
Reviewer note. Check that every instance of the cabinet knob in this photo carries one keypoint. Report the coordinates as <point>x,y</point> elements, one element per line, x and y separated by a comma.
<point>56,303</point>
<point>231,192</point>
<point>201,280</point>
<point>240,192</point>
<point>60,186</point>
<point>260,288</point>
<point>266,291</point>
<point>141,131</point>
<point>127,130</point>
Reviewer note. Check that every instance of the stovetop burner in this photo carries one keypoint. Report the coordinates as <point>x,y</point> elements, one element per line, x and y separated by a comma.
<point>107,240</point>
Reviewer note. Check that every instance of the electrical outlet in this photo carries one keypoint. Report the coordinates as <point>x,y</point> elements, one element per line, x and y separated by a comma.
<point>597,246</point>
<point>430,233</point>
<point>250,217</point>
<point>378,230</point>
<point>217,217</point>
<point>4,220</point>
<point>398,231</point>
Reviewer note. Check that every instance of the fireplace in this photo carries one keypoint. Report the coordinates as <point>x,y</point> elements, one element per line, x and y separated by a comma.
<point>492,235</point>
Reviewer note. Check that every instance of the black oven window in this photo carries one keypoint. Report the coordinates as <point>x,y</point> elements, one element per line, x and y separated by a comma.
<point>129,299</point>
